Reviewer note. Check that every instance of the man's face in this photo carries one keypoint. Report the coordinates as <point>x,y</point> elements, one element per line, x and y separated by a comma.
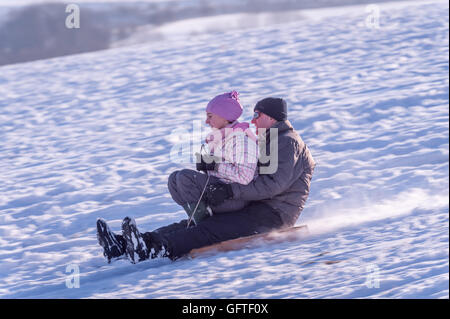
<point>262,121</point>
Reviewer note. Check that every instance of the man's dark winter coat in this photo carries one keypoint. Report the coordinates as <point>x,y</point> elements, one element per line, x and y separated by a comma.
<point>287,189</point>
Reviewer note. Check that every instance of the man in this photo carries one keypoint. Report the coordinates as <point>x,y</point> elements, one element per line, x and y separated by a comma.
<point>276,198</point>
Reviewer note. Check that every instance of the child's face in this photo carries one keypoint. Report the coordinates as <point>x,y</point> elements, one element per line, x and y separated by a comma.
<point>215,121</point>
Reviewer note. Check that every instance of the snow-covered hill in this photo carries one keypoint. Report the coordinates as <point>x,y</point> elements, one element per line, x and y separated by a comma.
<point>90,136</point>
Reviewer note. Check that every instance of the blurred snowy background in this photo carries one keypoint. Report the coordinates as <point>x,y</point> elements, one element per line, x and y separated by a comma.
<point>35,29</point>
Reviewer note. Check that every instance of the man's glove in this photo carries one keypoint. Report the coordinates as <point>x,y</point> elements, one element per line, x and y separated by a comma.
<point>202,165</point>
<point>217,193</point>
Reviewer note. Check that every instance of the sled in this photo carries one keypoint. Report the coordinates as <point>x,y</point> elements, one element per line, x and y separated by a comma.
<point>278,236</point>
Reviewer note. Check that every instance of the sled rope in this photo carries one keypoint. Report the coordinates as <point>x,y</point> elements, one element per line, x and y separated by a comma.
<point>201,196</point>
<point>196,206</point>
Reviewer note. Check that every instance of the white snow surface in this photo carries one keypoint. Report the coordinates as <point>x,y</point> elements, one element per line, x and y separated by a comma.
<point>89,136</point>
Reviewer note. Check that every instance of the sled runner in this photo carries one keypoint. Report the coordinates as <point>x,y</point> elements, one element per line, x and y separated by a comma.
<point>283,235</point>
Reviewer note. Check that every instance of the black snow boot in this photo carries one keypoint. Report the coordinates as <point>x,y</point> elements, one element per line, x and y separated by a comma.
<point>157,245</point>
<point>136,249</point>
<point>113,245</point>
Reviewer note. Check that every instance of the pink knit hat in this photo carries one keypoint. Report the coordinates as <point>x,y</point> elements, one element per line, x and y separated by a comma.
<point>226,105</point>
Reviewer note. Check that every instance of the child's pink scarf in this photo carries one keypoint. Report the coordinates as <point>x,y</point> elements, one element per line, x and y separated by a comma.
<point>225,131</point>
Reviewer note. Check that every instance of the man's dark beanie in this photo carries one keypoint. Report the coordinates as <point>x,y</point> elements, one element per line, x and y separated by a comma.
<point>274,107</point>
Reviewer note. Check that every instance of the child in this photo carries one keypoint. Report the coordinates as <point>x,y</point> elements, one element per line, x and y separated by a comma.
<point>232,158</point>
